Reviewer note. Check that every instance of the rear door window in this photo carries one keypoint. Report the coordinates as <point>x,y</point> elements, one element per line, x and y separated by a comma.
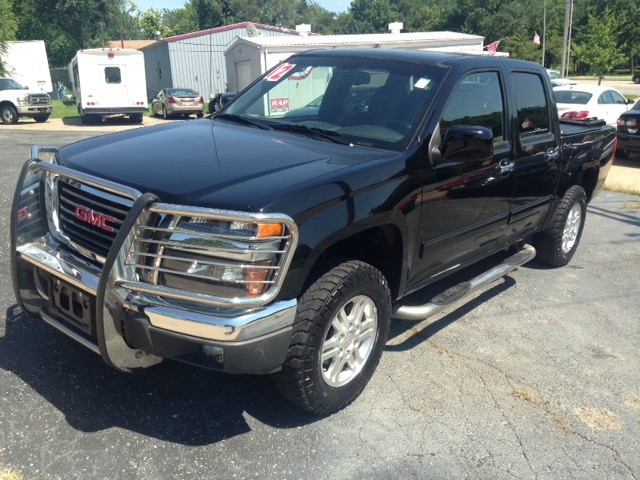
<point>533,114</point>
<point>112,75</point>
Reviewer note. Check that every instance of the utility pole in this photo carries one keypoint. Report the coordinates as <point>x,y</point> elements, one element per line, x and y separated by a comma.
<point>566,41</point>
<point>544,30</point>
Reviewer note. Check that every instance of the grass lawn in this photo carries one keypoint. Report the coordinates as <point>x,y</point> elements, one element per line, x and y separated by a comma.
<point>68,108</point>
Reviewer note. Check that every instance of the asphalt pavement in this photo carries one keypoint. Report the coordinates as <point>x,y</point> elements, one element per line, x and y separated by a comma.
<point>534,377</point>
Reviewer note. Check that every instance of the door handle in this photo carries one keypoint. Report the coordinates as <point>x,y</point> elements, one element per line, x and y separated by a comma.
<point>505,166</point>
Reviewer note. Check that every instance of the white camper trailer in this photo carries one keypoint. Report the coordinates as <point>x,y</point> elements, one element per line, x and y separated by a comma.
<point>109,81</point>
<point>26,63</point>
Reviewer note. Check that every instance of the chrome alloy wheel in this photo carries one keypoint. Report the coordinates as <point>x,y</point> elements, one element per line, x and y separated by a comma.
<point>348,341</point>
<point>571,228</point>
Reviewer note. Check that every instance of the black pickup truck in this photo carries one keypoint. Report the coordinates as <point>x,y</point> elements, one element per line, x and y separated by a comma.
<point>281,235</point>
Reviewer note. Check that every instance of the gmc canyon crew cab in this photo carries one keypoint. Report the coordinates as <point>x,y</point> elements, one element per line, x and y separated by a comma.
<point>281,235</point>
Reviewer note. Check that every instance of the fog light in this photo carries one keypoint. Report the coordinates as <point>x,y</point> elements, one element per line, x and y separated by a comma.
<point>216,353</point>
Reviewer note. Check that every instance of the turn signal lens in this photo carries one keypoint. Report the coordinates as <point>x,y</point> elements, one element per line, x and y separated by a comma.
<point>270,230</point>
<point>257,278</point>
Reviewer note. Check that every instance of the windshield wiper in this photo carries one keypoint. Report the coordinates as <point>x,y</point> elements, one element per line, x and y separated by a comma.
<point>243,120</point>
<point>316,132</point>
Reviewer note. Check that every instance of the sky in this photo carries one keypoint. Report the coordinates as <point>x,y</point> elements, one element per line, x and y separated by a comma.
<point>331,5</point>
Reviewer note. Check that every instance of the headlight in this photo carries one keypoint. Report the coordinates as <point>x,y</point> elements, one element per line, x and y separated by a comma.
<point>216,254</point>
<point>22,101</point>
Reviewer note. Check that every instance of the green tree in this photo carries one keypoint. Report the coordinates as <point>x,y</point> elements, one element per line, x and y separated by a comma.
<point>69,25</point>
<point>151,25</point>
<point>372,16</point>
<point>180,20</point>
<point>597,44</point>
<point>8,28</point>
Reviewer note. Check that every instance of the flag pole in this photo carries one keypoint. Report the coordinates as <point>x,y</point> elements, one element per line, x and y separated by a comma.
<point>544,30</point>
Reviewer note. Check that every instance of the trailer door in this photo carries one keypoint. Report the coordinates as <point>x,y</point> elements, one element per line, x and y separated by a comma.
<point>114,86</point>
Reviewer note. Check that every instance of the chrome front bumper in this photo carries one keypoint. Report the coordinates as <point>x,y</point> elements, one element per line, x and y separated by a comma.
<point>249,331</point>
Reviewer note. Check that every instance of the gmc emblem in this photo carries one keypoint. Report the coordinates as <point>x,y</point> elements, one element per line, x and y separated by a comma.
<point>92,217</point>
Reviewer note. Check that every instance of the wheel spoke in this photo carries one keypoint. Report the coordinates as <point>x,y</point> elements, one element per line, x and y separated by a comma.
<point>336,368</point>
<point>340,322</point>
<point>357,311</point>
<point>330,349</point>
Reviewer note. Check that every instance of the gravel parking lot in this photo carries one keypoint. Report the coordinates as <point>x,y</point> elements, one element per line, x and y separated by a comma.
<point>535,377</point>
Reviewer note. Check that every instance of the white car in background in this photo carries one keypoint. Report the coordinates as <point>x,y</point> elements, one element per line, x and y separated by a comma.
<point>581,102</point>
<point>558,80</point>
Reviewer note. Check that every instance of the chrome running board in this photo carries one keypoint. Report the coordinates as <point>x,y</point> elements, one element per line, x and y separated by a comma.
<point>455,293</point>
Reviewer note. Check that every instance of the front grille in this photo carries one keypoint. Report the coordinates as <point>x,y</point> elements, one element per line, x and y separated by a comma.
<point>38,99</point>
<point>90,217</point>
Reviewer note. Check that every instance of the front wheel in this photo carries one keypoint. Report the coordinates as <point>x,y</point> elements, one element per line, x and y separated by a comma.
<point>338,337</point>
<point>558,243</point>
<point>41,118</point>
<point>8,114</point>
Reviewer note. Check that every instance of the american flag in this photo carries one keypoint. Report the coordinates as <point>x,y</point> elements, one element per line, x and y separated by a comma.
<point>492,48</point>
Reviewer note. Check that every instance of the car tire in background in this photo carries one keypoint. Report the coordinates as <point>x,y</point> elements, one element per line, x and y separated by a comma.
<point>8,114</point>
<point>41,118</point>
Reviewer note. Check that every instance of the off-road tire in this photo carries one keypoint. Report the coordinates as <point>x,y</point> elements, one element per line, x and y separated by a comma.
<point>8,114</point>
<point>301,379</point>
<point>41,118</point>
<point>135,118</point>
<point>567,223</point>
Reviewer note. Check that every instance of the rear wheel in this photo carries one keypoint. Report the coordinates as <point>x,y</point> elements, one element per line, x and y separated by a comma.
<point>340,331</point>
<point>135,118</point>
<point>8,114</point>
<point>557,245</point>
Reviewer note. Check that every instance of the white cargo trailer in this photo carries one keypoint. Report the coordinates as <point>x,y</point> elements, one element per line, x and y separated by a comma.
<point>26,63</point>
<point>109,81</point>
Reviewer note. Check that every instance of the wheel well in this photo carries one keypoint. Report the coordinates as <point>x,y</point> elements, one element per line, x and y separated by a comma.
<point>7,103</point>
<point>380,247</point>
<point>588,179</point>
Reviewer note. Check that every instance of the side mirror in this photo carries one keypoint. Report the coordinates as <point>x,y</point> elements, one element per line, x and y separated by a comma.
<point>629,101</point>
<point>227,98</point>
<point>465,143</point>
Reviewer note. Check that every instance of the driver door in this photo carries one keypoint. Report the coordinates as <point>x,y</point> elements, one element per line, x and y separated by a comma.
<point>465,204</point>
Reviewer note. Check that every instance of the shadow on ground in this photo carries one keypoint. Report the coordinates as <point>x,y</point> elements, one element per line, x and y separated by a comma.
<point>173,402</point>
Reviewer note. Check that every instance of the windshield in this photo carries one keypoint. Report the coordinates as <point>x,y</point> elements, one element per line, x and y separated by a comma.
<point>182,91</point>
<point>553,74</point>
<point>8,84</point>
<point>360,101</point>
<point>572,96</point>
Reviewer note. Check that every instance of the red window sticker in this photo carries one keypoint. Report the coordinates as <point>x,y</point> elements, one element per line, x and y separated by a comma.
<point>279,105</point>
<point>280,71</point>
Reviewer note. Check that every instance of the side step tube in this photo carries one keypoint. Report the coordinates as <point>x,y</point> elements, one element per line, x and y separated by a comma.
<point>455,293</point>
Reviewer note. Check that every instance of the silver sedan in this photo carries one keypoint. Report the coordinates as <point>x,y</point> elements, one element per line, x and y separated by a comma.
<point>177,101</point>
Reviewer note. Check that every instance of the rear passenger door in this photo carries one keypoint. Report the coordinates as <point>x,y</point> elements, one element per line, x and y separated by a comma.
<point>613,105</point>
<point>537,152</point>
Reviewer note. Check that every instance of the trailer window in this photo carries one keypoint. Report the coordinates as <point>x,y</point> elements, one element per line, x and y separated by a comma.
<point>112,75</point>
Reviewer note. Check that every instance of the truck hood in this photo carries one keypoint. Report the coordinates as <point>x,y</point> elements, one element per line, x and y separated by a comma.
<point>211,163</point>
